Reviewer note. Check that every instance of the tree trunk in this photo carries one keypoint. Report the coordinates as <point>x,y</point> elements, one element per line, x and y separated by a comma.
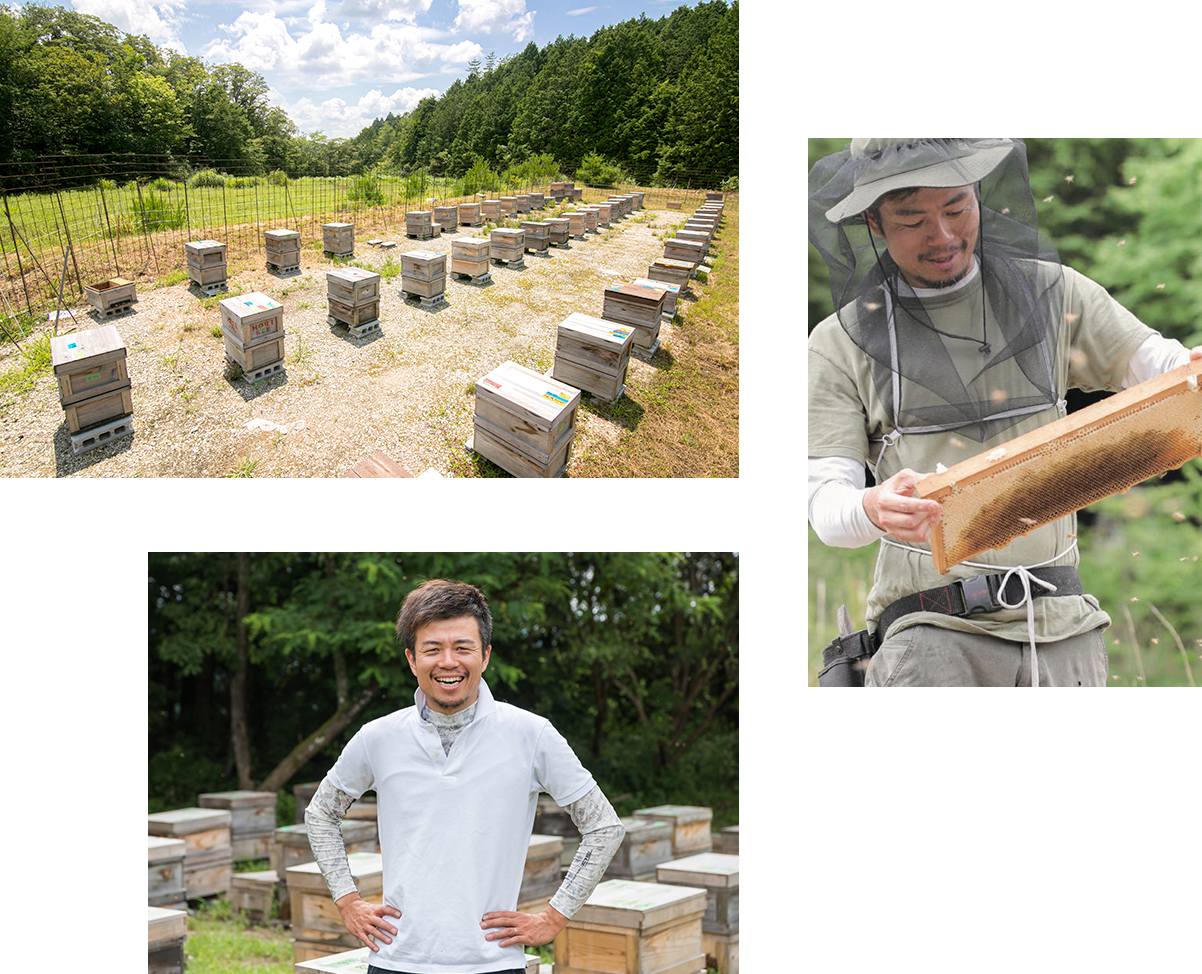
<point>601,698</point>
<point>239,732</point>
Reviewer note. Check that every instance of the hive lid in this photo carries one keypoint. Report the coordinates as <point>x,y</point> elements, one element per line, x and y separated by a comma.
<point>236,799</point>
<point>244,304</point>
<point>185,821</point>
<point>160,847</point>
<point>539,397</point>
<point>597,329</point>
<point>542,846</point>
<point>97,345</point>
<point>199,245</point>
<point>351,274</point>
<point>1009,490</point>
<point>164,924</point>
<point>715,870</point>
<point>625,903</point>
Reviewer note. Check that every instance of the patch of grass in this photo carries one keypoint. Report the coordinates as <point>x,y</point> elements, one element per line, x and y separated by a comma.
<point>245,468</point>
<point>177,276</point>
<point>222,943</point>
<point>34,362</point>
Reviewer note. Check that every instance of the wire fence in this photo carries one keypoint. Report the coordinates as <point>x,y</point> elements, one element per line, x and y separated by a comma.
<point>71,222</point>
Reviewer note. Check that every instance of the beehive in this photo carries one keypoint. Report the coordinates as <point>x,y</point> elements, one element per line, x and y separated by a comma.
<point>541,875</point>
<point>423,274</point>
<point>94,387</point>
<point>521,202</point>
<point>551,819</point>
<point>317,929</point>
<point>206,263</point>
<point>690,236</point>
<point>637,928</point>
<point>1007,491</point>
<point>282,248</point>
<point>253,894</point>
<point>252,819</point>
<point>591,218</point>
<point>490,210</point>
<point>536,232</point>
<point>605,213</point>
<point>524,422</point>
<point>537,201</point>
<point>670,291</point>
<point>165,872</point>
<point>469,215</point>
<point>558,231</point>
<point>166,931</point>
<point>509,205</point>
<point>647,843</point>
<point>690,826</point>
<point>470,257</point>
<point>446,217</point>
<point>577,224</point>
<point>593,354</point>
<point>507,246</point>
<point>290,847</point>
<point>113,296</point>
<point>338,239</point>
<point>640,307</point>
<point>208,853</point>
<point>718,875</point>
<point>252,318</point>
<point>556,191</point>
<point>727,840</point>
<point>675,272</point>
<point>419,224</point>
<point>683,249</point>
<point>353,298</point>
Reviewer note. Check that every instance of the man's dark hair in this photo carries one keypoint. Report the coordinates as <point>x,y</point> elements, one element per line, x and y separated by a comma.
<point>441,598</point>
<point>897,194</point>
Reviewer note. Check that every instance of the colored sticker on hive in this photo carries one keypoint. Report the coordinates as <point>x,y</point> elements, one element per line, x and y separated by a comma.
<point>555,397</point>
<point>493,382</point>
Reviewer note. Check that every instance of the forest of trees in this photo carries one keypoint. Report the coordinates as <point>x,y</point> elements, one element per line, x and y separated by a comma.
<point>262,666</point>
<point>658,98</point>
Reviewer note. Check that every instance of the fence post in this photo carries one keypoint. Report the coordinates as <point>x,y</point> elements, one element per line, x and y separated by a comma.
<point>70,247</point>
<point>146,227</point>
<point>17,251</point>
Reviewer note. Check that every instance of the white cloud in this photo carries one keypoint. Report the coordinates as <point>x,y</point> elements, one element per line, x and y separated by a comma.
<point>161,22</point>
<point>579,11</point>
<point>405,11</point>
<point>336,119</point>
<point>504,16</point>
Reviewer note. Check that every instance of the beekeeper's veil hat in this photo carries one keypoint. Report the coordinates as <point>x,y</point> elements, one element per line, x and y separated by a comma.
<point>922,370</point>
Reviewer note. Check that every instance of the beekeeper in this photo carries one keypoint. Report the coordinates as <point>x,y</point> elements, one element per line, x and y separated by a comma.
<point>957,328</point>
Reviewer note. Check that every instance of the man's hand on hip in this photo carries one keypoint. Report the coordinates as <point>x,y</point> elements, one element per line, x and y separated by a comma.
<point>366,920</point>
<point>895,506</point>
<point>530,929</point>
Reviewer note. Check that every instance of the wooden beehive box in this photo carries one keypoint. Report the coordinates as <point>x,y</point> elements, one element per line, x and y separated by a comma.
<point>605,213</point>
<point>419,224</point>
<point>551,819</point>
<point>524,422</point>
<point>718,875</point>
<point>591,218</point>
<point>727,840</point>
<point>620,206</point>
<point>640,307</point>
<point>469,215</point>
<point>88,363</point>
<point>253,819</point>
<point>536,238</point>
<point>208,852</point>
<point>1007,491</point>
<point>282,249</point>
<point>104,408</point>
<point>634,928</point>
<point>206,262</point>
<point>338,238</point>
<point>704,231</point>
<point>490,209</point>
<point>695,236</point>
<point>670,291</point>
<point>317,928</point>
<point>447,217</point>
<point>679,248</point>
<point>252,318</point>
<point>522,202</point>
<point>509,205</point>
<point>507,245</point>
<point>559,229</point>
<point>353,285</point>
<point>593,354</point>
<point>165,872</point>
<point>537,201</point>
<point>577,224</point>
<point>714,197</point>
<point>252,358</point>
<point>647,843</point>
<point>303,793</point>
<point>424,273</point>
<point>470,256</point>
<point>364,809</point>
<point>556,190</point>
<point>691,826</point>
<point>166,931</point>
<point>253,894</point>
<point>673,271</point>
<point>638,199</point>
<point>115,294</point>
<point>541,875</point>
<point>290,847</point>
<point>352,315</point>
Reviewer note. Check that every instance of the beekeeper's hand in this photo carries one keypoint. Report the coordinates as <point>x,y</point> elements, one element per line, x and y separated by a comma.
<point>895,506</point>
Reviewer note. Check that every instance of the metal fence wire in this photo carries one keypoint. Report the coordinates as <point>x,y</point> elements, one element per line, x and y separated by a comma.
<point>129,216</point>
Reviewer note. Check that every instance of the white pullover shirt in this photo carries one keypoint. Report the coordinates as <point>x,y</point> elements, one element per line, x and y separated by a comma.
<point>455,827</point>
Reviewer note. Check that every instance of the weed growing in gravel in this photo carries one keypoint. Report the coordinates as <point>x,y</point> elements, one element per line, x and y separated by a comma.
<point>245,468</point>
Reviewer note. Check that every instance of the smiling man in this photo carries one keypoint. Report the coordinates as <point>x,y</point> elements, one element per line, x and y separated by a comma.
<point>457,778</point>
<point>956,328</point>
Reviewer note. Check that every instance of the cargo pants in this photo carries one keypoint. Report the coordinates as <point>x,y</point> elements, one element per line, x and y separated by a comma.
<point>934,656</point>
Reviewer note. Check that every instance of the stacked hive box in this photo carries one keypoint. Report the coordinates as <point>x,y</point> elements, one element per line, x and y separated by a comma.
<point>419,224</point>
<point>522,202</point>
<point>541,875</point>
<point>253,894</point>
<point>593,354</point>
<point>718,875</point>
<point>556,191</point>
<point>690,826</point>
<point>353,296</point>
<point>577,224</point>
<point>605,213</point>
<point>252,819</point>
<point>338,239</point>
<point>424,276</point>
<point>648,928</point>
<point>591,218</point>
<point>637,306</point>
<point>252,326</point>
<point>536,236</point>
<point>509,205</point>
<point>507,246</point>
<point>551,819</point>
<point>684,250</point>
<point>617,206</point>
<point>112,297</point>
<point>469,215</point>
<point>577,192</point>
<point>357,962</point>
<point>165,868</point>
<point>447,218</point>
<point>208,855</point>
<point>166,931</point>
<point>727,840</point>
<point>283,249</point>
<point>93,386</point>
<point>647,843</point>
<point>698,236</point>
<point>303,793</point>
<point>638,200</point>
<point>675,272</point>
<point>671,292</point>
<point>524,422</point>
<point>470,258</point>
<point>206,264</point>
<point>317,929</point>
<point>558,231</point>
<point>537,201</point>
<point>491,210</point>
<point>290,847</point>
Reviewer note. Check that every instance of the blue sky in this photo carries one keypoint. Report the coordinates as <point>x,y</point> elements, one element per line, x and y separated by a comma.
<point>334,65</point>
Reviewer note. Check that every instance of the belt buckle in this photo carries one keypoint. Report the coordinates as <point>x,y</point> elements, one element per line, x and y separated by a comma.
<point>978,594</point>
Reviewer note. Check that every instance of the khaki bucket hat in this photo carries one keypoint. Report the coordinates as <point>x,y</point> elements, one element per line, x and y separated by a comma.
<point>883,165</point>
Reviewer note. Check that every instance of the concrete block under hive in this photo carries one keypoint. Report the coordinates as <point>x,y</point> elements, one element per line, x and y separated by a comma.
<point>208,852</point>
<point>317,929</point>
<point>112,297</point>
<point>470,258</point>
<point>338,239</point>
<point>690,826</point>
<point>252,819</point>
<point>469,215</point>
<point>524,422</point>
<point>282,249</point>
<point>593,354</point>
<point>507,246</point>
<point>1010,489</point>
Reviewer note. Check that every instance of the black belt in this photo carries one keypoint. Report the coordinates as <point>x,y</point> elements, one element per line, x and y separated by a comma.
<point>981,593</point>
<point>846,658</point>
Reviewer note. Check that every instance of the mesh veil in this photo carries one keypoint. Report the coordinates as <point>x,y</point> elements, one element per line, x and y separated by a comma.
<point>968,378</point>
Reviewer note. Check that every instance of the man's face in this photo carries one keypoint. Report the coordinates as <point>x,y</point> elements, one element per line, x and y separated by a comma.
<point>931,234</point>
<point>447,661</point>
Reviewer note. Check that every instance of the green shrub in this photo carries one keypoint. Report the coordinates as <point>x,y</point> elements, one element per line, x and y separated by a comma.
<point>241,182</point>
<point>597,171</point>
<point>730,185</point>
<point>207,179</point>
<point>479,178</point>
<point>365,189</point>
<point>277,178</point>
<point>158,214</point>
<point>164,185</point>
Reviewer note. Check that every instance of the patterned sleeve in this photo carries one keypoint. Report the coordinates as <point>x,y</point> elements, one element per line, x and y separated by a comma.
<point>601,834</point>
<point>323,817</point>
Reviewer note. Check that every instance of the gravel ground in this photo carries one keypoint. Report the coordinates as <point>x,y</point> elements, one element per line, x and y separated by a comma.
<point>406,389</point>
